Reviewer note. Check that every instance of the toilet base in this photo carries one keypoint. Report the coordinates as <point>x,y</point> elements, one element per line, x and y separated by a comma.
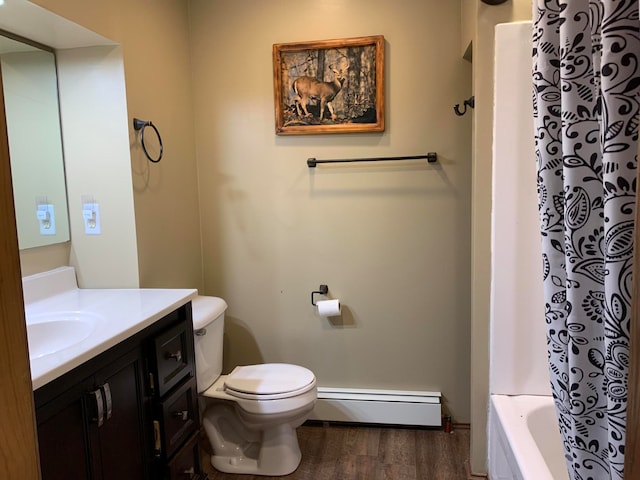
<point>272,450</point>
<point>277,454</point>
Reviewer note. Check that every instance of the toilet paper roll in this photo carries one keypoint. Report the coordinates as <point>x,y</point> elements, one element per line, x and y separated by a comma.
<point>329,308</point>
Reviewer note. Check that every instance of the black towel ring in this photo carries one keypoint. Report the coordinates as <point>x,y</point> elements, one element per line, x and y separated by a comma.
<point>141,125</point>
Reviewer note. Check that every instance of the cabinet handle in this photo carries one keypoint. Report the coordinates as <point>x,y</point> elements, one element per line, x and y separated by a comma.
<point>152,384</point>
<point>107,400</point>
<point>177,356</point>
<point>157,442</point>
<point>97,395</point>
<point>181,415</point>
<point>189,471</point>
<point>201,332</point>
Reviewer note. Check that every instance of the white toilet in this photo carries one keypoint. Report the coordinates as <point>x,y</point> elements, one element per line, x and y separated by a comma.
<point>250,415</point>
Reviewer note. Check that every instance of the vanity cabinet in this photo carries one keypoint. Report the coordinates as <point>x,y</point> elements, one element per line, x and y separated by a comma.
<point>61,436</point>
<point>128,413</point>
<point>94,429</point>
<point>171,384</point>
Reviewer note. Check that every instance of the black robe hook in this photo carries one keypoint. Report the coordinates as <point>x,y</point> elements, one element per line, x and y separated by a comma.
<point>471,102</point>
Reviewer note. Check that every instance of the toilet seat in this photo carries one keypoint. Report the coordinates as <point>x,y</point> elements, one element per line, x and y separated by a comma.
<point>269,381</point>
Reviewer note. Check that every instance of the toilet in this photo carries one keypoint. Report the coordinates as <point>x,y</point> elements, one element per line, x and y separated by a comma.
<point>250,416</point>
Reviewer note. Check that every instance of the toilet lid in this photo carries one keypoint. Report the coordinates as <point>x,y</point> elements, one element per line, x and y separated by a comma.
<point>269,379</point>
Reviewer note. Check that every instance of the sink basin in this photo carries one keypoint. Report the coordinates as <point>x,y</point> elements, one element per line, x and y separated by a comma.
<point>50,333</point>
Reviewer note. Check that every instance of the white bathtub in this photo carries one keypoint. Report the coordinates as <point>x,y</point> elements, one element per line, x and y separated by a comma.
<point>524,440</point>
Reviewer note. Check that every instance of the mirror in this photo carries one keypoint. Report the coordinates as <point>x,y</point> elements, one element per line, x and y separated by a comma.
<point>30,90</point>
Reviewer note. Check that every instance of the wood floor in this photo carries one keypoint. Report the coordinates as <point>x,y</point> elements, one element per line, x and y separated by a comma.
<point>347,452</point>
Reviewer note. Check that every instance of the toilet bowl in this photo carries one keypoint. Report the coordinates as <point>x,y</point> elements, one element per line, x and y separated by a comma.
<point>250,416</point>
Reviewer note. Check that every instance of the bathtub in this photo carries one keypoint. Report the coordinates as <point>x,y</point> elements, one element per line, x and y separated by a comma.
<point>524,440</point>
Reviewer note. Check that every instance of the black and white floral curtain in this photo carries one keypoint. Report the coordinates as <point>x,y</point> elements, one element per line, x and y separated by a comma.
<point>586,86</point>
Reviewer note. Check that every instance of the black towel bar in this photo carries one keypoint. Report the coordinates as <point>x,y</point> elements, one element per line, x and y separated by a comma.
<point>431,158</point>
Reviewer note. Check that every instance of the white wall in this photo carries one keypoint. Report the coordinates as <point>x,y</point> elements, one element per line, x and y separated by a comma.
<point>486,17</point>
<point>518,336</point>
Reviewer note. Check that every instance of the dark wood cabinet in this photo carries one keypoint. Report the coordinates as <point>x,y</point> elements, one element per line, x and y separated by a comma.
<point>97,422</point>
<point>62,436</point>
<point>177,415</point>
<point>174,402</point>
<point>171,358</point>
<point>117,446</point>
<point>125,414</point>
<point>185,464</point>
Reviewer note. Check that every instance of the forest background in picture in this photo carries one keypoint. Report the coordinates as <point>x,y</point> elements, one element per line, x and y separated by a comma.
<point>333,86</point>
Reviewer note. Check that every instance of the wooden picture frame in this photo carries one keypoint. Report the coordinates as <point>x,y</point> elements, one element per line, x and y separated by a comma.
<point>329,86</point>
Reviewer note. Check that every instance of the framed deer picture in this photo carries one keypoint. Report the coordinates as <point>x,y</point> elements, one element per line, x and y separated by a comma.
<point>329,86</point>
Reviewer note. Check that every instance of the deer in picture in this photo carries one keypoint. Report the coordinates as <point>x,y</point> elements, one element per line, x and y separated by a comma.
<point>308,88</point>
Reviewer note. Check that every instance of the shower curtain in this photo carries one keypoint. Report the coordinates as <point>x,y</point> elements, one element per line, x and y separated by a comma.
<point>586,79</point>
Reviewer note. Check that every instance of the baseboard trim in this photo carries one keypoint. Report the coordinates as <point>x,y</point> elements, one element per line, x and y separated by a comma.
<point>390,407</point>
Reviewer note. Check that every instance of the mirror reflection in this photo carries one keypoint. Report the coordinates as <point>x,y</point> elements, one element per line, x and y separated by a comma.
<point>30,90</point>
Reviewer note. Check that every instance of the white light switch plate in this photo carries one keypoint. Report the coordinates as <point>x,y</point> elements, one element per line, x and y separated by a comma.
<point>46,219</point>
<point>91,215</point>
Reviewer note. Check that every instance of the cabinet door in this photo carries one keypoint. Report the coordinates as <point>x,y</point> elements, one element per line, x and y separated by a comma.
<point>118,444</point>
<point>62,437</point>
<point>185,465</point>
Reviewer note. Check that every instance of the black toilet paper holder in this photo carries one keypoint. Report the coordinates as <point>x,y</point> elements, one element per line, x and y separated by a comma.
<point>321,291</point>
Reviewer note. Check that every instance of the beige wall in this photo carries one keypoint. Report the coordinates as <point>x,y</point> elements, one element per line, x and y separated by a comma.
<point>272,231</point>
<point>97,165</point>
<point>392,241</point>
<point>154,41</point>
<point>97,162</point>
<point>486,19</point>
<point>469,23</point>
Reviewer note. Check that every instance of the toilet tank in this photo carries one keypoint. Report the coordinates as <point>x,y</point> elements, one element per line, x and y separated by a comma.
<point>208,330</point>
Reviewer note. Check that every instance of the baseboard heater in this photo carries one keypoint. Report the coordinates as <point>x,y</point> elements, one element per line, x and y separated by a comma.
<point>391,407</point>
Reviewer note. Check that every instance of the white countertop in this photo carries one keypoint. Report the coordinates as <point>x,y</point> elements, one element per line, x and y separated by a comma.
<point>123,312</point>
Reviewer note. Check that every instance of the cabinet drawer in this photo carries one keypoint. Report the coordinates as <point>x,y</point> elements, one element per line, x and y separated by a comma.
<point>179,416</point>
<point>186,464</point>
<point>173,356</point>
